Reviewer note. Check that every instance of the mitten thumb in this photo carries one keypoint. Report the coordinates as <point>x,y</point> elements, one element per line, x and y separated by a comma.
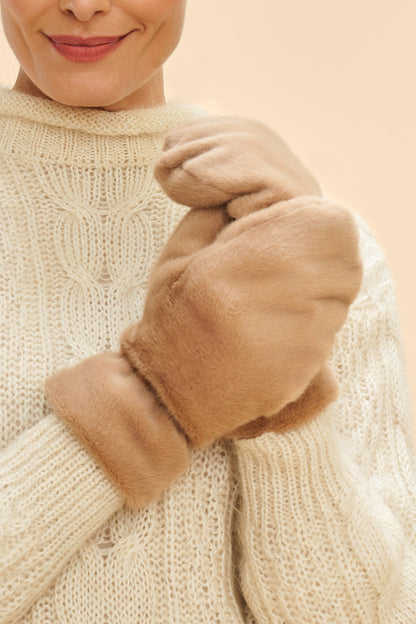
<point>197,230</point>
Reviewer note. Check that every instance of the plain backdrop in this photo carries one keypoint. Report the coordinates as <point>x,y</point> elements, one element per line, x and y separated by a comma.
<point>336,81</point>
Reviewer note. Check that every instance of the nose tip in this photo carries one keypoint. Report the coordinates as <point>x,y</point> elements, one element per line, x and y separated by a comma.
<point>84,10</point>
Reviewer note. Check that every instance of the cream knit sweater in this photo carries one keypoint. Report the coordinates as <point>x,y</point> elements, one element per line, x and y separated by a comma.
<point>316,526</point>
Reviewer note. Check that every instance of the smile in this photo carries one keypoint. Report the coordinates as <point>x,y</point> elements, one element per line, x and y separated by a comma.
<point>89,51</point>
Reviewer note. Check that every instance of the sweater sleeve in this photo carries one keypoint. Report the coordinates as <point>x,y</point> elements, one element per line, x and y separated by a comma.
<point>53,497</point>
<point>326,524</point>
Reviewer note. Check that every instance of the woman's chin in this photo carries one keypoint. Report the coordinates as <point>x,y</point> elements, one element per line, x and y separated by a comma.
<point>96,93</point>
<point>94,90</point>
<point>76,93</point>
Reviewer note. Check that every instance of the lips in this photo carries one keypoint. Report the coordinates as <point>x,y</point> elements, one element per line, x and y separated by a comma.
<point>79,41</point>
<point>82,50</point>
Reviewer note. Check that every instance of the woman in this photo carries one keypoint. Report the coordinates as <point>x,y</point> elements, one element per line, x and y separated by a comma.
<point>114,506</point>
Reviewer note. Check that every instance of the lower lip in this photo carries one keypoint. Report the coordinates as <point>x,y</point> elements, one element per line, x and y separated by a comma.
<point>85,54</point>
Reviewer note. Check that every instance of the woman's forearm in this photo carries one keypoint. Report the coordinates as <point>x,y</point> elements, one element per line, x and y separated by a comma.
<point>317,544</point>
<point>53,497</point>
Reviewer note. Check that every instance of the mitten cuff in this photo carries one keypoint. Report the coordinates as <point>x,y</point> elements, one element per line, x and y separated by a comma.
<point>131,436</point>
<point>322,391</point>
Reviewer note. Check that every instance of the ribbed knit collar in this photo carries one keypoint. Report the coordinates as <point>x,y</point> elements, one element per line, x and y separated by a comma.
<point>37,129</point>
<point>152,120</point>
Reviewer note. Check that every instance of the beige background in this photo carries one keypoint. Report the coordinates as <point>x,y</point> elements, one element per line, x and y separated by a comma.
<point>336,80</point>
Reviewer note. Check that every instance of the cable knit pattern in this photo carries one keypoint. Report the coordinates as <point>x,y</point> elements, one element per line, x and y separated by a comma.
<point>316,525</point>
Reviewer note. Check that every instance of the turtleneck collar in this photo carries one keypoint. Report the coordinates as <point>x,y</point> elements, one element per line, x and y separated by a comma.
<point>152,120</point>
<point>37,129</point>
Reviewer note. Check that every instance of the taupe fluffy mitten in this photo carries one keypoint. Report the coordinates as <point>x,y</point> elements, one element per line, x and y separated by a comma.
<point>228,160</point>
<point>240,317</point>
<point>114,412</point>
<point>238,324</point>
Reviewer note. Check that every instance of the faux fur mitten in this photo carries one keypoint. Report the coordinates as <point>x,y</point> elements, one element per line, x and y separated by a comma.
<point>240,317</point>
<point>119,421</point>
<point>228,160</point>
<point>238,324</point>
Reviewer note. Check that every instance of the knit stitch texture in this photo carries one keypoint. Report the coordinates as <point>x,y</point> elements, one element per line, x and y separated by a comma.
<point>317,525</point>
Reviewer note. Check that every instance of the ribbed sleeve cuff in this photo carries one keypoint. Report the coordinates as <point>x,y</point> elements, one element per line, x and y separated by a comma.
<point>53,497</point>
<point>330,548</point>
